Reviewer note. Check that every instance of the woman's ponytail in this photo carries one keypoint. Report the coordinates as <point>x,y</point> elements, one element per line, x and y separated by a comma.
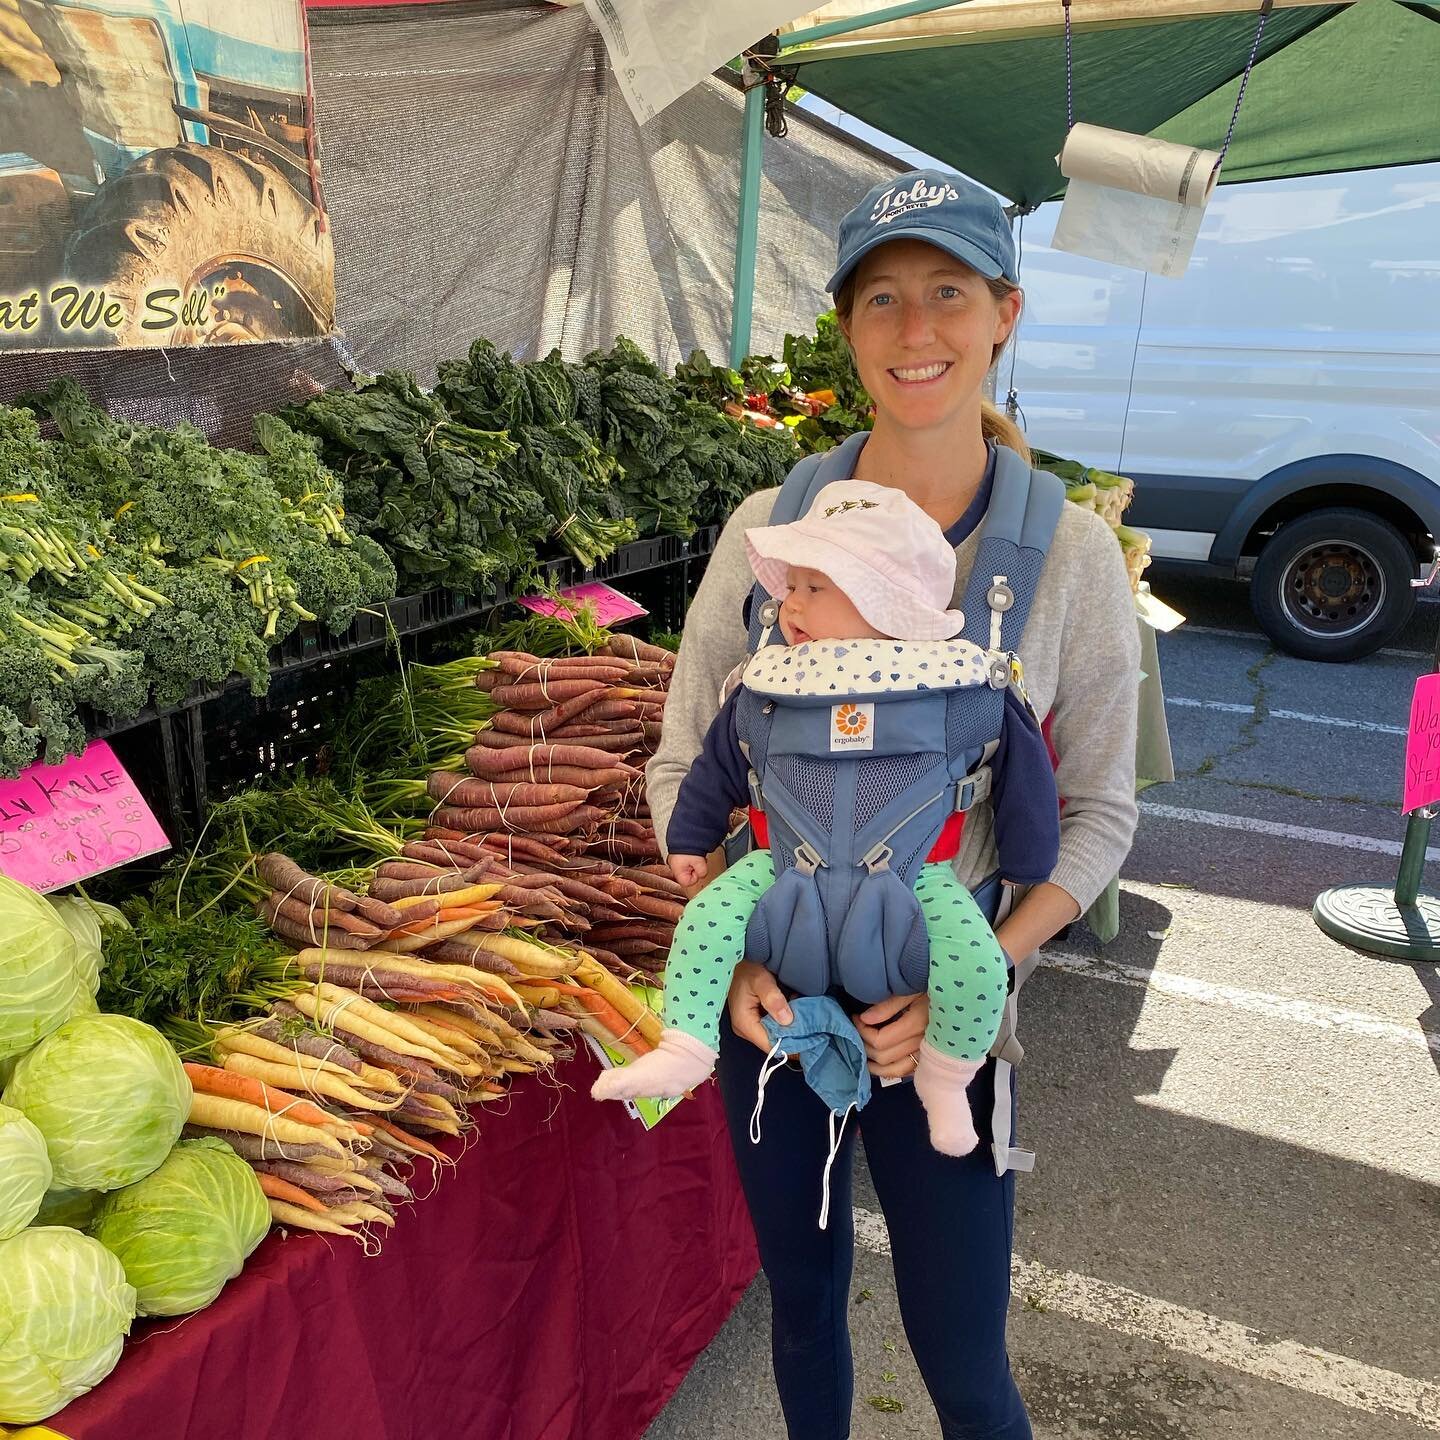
<point>1003,430</point>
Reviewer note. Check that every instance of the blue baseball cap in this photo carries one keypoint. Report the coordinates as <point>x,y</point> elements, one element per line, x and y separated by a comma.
<point>947,211</point>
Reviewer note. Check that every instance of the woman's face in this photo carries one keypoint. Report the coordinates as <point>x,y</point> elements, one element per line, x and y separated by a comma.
<point>923,328</point>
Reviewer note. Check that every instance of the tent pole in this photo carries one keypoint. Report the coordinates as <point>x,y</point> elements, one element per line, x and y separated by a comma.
<point>748,229</point>
<point>864,22</point>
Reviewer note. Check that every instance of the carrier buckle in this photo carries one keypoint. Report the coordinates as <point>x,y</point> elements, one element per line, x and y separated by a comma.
<point>807,859</point>
<point>877,858</point>
<point>970,791</point>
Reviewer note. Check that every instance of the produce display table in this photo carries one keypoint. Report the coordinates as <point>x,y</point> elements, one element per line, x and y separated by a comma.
<point>557,1286</point>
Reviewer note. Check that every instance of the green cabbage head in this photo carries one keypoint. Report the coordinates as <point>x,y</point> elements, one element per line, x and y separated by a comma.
<point>42,982</point>
<point>87,920</point>
<point>24,1171</point>
<point>65,1309</point>
<point>74,1209</point>
<point>109,1096</point>
<point>186,1229</point>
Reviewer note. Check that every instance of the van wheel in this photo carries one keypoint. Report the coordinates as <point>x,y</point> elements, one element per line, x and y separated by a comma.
<point>1334,585</point>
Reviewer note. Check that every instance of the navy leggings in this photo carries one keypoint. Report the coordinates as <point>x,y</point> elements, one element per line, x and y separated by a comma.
<point>950,1222</point>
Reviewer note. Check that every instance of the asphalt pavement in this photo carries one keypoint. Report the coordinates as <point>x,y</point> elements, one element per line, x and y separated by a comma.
<point>1231,1229</point>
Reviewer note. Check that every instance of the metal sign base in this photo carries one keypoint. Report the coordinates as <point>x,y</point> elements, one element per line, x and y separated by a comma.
<point>1368,918</point>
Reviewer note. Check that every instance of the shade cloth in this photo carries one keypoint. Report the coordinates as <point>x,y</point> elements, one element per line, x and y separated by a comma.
<point>557,1286</point>
<point>1334,88</point>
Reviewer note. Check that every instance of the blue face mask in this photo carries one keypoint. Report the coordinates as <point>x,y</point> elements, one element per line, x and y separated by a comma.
<point>825,1041</point>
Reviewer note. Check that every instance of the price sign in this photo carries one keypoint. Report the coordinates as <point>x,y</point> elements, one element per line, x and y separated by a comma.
<point>63,823</point>
<point>1422,748</point>
<point>609,605</point>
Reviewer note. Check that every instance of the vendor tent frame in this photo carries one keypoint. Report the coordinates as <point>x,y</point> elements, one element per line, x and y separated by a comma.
<point>1180,62</point>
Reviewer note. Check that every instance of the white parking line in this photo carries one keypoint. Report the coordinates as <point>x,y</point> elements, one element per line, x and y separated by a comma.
<point>1279,831</point>
<point>1233,997</point>
<point>1259,638</point>
<point>1208,1338</point>
<point>1230,707</point>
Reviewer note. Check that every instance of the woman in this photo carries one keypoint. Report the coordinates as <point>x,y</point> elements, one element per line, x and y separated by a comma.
<point>927,293</point>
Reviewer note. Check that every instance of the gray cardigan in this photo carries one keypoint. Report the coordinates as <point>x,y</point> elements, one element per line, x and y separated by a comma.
<point>1081,654</point>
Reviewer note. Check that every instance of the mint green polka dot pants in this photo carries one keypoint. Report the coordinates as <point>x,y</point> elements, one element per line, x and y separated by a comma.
<point>967,982</point>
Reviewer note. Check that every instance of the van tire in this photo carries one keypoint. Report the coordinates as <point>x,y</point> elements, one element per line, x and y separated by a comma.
<point>1334,585</point>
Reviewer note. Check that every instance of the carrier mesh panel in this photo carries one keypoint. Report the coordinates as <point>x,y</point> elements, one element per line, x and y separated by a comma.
<point>878,782</point>
<point>963,721</point>
<point>483,176</point>
<point>811,782</point>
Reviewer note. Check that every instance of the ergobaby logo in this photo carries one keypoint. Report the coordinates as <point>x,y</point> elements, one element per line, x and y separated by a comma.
<point>920,196</point>
<point>852,726</point>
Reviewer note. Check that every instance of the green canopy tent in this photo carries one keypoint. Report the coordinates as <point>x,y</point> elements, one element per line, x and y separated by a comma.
<point>982,87</point>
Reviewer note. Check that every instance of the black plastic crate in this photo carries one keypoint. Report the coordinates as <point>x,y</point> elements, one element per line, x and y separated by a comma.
<point>640,555</point>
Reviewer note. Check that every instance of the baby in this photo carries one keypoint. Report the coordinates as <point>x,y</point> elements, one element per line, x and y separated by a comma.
<point>865,564</point>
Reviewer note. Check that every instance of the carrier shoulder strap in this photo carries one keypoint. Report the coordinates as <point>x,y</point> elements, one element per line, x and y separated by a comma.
<point>1015,538</point>
<point>810,475</point>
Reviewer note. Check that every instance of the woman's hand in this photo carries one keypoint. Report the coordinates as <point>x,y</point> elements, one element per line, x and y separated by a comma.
<point>892,1032</point>
<point>754,993</point>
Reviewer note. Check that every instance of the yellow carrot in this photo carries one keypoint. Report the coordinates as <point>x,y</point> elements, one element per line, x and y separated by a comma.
<point>215,1113</point>
<point>592,973</point>
<point>526,955</point>
<point>284,1078</point>
<point>340,1009</point>
<point>284,1213</point>
<point>243,1042</point>
<point>470,895</point>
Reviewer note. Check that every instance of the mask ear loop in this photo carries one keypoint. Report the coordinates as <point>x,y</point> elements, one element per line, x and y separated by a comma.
<point>836,1136</point>
<point>770,1066</point>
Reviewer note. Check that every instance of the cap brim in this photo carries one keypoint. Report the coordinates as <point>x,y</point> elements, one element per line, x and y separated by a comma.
<point>952,245</point>
<point>774,549</point>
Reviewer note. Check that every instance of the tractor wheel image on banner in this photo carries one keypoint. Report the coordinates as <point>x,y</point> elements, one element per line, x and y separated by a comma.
<point>158,176</point>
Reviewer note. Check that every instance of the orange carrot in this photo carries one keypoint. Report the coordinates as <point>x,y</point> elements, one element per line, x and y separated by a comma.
<point>602,1010</point>
<point>210,1080</point>
<point>445,917</point>
<point>278,1189</point>
<point>414,1142</point>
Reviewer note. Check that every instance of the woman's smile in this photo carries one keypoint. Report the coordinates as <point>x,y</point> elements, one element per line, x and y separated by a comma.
<point>915,377</point>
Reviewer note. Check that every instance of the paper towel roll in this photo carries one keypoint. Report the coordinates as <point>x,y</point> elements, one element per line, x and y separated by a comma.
<point>1180,174</point>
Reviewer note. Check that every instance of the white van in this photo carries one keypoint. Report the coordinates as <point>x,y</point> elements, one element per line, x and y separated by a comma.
<point>1278,407</point>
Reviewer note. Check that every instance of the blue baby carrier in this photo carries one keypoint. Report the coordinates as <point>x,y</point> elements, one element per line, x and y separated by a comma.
<point>861,752</point>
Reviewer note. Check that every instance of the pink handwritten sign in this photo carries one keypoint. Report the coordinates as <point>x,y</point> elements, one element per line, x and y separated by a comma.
<point>610,606</point>
<point>63,823</point>
<point>1422,748</point>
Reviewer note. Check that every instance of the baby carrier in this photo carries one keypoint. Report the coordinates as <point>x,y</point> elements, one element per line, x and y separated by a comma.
<point>865,756</point>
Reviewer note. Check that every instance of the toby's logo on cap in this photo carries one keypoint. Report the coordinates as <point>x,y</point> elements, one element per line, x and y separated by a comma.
<point>920,196</point>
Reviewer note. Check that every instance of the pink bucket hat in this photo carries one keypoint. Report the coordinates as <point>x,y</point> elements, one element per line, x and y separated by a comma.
<point>879,547</point>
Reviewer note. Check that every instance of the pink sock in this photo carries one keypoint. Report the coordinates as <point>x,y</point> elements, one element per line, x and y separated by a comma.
<point>941,1082</point>
<point>680,1063</point>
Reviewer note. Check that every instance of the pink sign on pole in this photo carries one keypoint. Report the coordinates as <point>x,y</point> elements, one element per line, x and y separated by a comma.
<point>63,823</point>
<point>610,606</point>
<point>1422,748</point>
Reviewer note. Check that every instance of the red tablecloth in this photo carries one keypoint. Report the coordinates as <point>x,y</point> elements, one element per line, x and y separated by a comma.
<point>557,1286</point>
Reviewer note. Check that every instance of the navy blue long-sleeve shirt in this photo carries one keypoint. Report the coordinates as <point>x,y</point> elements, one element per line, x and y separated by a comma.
<point>1023,795</point>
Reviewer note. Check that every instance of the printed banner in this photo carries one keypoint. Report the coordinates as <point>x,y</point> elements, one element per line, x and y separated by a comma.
<point>158,176</point>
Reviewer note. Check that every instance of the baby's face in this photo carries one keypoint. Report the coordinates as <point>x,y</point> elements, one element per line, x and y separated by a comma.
<point>817,609</point>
